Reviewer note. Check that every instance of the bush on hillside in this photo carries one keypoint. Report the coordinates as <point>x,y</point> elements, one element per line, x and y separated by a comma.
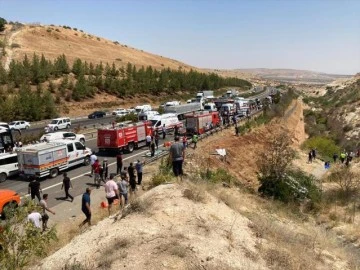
<point>2,24</point>
<point>325,146</point>
<point>20,240</point>
<point>217,176</point>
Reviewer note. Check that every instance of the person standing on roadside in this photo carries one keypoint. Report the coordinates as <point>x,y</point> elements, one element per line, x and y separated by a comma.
<point>195,140</point>
<point>148,141</point>
<point>313,153</point>
<point>184,140</point>
<point>176,156</point>
<point>85,207</point>
<point>157,137</point>
<point>66,186</point>
<point>123,185</point>
<point>34,189</point>
<point>96,167</point>
<point>112,193</point>
<point>310,157</point>
<point>132,177</point>
<point>44,206</point>
<point>105,166</point>
<point>139,171</point>
<point>152,148</point>
<point>163,129</point>
<point>93,158</point>
<point>119,163</point>
<point>342,157</point>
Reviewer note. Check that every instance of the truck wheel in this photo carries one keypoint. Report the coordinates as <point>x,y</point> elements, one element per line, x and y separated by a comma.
<point>2,177</point>
<point>54,172</point>
<point>68,126</point>
<point>131,147</point>
<point>55,128</point>
<point>87,161</point>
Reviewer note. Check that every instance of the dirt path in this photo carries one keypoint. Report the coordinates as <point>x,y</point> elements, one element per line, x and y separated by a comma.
<point>9,51</point>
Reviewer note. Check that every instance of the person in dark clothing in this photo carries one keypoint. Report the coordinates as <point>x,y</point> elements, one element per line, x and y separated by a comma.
<point>105,169</point>
<point>156,137</point>
<point>310,157</point>
<point>85,207</point>
<point>132,177</point>
<point>313,153</point>
<point>236,130</point>
<point>66,186</point>
<point>163,129</point>
<point>119,163</point>
<point>152,148</point>
<point>335,157</point>
<point>34,189</point>
<point>176,131</point>
<point>176,156</point>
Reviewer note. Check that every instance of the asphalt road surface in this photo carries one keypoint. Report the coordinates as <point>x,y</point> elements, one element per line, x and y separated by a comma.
<point>80,174</point>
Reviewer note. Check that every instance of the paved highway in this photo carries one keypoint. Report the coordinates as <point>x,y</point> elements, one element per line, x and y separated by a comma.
<point>80,175</point>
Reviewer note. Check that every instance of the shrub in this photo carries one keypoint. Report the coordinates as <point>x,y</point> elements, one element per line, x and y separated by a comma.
<point>163,175</point>
<point>48,30</point>
<point>326,147</point>
<point>21,240</point>
<point>347,128</point>
<point>348,181</point>
<point>218,176</point>
<point>57,30</point>
<point>15,45</point>
<point>75,29</point>
<point>98,39</point>
<point>194,194</point>
<point>116,42</point>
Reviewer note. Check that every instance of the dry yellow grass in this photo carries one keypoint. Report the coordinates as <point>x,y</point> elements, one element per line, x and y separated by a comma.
<point>53,41</point>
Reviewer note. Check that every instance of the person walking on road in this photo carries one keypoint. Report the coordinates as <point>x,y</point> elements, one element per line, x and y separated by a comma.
<point>66,186</point>
<point>34,189</point>
<point>93,158</point>
<point>163,129</point>
<point>139,171</point>
<point>184,140</point>
<point>132,177</point>
<point>195,140</point>
<point>112,193</point>
<point>176,156</point>
<point>44,206</point>
<point>119,163</point>
<point>85,207</point>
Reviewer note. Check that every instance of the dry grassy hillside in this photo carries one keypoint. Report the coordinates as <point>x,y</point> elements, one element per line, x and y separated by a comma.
<point>53,41</point>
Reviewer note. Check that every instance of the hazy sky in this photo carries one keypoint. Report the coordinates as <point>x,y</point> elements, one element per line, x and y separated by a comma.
<point>319,35</point>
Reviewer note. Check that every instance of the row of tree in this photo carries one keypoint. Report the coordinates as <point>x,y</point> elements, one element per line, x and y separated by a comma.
<point>121,81</point>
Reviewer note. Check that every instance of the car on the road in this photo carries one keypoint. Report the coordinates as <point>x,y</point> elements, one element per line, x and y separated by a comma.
<point>8,165</point>
<point>58,123</point>
<point>62,135</point>
<point>120,112</point>
<point>8,199</point>
<point>131,110</point>
<point>19,125</point>
<point>96,114</point>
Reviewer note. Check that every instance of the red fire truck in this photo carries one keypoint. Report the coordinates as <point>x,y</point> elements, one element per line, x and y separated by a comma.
<point>127,137</point>
<point>200,122</point>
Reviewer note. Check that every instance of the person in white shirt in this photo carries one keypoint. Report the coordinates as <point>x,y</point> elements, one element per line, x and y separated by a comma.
<point>148,140</point>
<point>35,218</point>
<point>112,192</point>
<point>93,158</point>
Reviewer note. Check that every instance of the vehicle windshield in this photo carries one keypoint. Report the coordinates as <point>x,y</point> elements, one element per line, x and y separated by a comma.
<point>155,122</point>
<point>207,107</point>
<point>138,110</point>
<point>54,122</point>
<point>12,123</point>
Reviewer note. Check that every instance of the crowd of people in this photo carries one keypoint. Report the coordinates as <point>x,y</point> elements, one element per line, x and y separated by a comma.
<point>345,157</point>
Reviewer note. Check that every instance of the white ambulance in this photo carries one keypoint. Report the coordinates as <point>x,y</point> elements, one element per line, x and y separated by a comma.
<point>48,159</point>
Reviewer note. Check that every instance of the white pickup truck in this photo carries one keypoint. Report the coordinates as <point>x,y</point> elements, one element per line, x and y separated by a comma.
<point>50,158</point>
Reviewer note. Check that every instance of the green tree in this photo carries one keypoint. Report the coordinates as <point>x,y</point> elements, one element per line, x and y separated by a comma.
<point>2,24</point>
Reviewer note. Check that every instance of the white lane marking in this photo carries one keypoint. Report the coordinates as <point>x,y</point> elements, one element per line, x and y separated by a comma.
<point>81,175</point>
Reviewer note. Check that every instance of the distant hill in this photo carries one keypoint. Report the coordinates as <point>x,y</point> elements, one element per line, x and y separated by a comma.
<point>294,75</point>
<point>53,41</point>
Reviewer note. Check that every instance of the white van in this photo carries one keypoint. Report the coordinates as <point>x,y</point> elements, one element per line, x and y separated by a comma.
<point>58,123</point>
<point>211,107</point>
<point>148,115</point>
<point>172,103</point>
<point>170,120</point>
<point>8,165</point>
<point>60,135</point>
<point>143,108</point>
